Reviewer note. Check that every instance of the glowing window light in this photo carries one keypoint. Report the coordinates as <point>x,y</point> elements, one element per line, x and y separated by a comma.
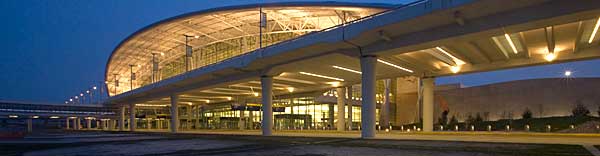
<point>510,42</point>
<point>322,76</point>
<point>395,66</point>
<point>347,69</point>
<point>595,30</point>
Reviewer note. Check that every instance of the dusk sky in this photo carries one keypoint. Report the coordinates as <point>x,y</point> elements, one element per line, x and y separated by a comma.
<point>55,49</point>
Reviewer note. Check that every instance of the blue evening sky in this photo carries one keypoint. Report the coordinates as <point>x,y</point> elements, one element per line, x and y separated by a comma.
<point>55,49</point>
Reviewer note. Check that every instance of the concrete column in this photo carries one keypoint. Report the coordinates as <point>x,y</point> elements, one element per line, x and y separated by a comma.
<point>122,118</point>
<point>132,123</point>
<point>100,124</point>
<point>159,124</point>
<point>250,119</point>
<point>189,117</point>
<point>77,123</point>
<point>267,105</point>
<point>88,123</point>
<point>368,108</point>
<point>111,124</point>
<point>197,114</point>
<point>330,116</point>
<point>349,103</point>
<point>385,107</point>
<point>241,122</point>
<point>67,123</point>
<point>174,113</point>
<point>341,118</point>
<point>29,125</point>
<point>428,86</point>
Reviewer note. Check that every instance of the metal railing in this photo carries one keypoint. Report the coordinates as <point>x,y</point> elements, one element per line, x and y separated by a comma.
<point>282,43</point>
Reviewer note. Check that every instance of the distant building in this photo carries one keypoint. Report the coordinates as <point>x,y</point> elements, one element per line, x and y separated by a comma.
<point>544,97</point>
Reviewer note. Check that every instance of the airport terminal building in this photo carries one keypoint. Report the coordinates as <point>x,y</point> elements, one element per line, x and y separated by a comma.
<point>331,65</point>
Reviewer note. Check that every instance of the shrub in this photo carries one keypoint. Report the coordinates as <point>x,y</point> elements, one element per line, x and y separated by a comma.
<point>580,110</point>
<point>526,114</point>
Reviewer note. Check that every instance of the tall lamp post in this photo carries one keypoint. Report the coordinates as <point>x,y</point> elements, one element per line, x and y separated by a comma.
<point>82,98</point>
<point>188,52</point>
<point>90,100</point>
<point>92,95</point>
<point>155,67</point>
<point>132,75</point>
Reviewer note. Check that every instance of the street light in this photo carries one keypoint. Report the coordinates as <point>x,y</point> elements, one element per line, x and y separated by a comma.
<point>188,52</point>
<point>568,73</point>
<point>132,75</point>
<point>90,94</point>
<point>82,98</point>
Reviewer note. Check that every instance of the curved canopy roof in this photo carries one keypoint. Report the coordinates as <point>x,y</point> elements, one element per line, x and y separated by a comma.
<point>158,51</point>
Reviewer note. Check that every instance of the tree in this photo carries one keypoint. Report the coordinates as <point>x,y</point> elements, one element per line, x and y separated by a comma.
<point>453,121</point>
<point>470,120</point>
<point>599,111</point>
<point>580,110</point>
<point>526,114</point>
<point>478,118</point>
<point>444,119</point>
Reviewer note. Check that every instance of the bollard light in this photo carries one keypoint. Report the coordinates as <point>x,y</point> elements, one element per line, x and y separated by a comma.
<point>548,128</point>
<point>441,128</point>
<point>418,129</point>
<point>527,128</point>
<point>402,128</point>
<point>489,128</point>
<point>472,128</point>
<point>455,127</point>
<point>507,127</point>
<point>387,130</point>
